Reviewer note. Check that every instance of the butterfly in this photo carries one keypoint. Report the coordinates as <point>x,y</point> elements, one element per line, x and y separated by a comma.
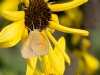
<point>37,44</point>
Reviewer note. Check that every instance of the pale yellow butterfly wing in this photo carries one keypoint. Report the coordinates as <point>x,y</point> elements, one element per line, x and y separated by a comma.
<point>42,44</point>
<point>36,45</point>
<point>26,50</point>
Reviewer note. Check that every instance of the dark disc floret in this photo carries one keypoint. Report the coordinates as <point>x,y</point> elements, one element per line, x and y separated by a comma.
<point>37,14</point>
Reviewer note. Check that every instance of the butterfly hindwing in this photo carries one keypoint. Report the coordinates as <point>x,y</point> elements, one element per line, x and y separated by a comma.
<point>37,44</point>
<point>42,43</point>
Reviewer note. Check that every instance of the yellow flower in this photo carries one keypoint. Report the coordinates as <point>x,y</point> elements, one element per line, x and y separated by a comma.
<point>13,33</point>
<point>87,62</point>
<point>49,63</point>
<point>10,5</point>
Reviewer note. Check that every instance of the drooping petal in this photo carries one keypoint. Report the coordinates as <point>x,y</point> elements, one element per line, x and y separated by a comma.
<point>12,31</point>
<point>68,30</point>
<point>11,5</point>
<point>62,44</point>
<point>58,46</point>
<point>67,5</point>
<point>13,15</point>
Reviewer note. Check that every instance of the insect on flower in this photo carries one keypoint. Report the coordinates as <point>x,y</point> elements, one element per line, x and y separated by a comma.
<point>37,44</point>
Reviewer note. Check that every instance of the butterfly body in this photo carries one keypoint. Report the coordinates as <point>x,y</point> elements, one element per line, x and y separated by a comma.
<point>37,44</point>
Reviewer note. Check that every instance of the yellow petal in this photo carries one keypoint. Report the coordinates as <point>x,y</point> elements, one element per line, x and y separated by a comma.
<point>10,43</point>
<point>75,39</point>
<point>54,61</point>
<point>29,71</point>
<point>26,2</point>
<point>58,46</point>
<point>46,0</point>
<point>24,35</point>
<point>55,18</point>
<point>91,62</point>
<point>11,5</point>
<point>67,5</point>
<point>13,15</point>
<point>12,31</point>
<point>44,65</point>
<point>31,65</point>
<point>37,72</point>
<point>62,44</point>
<point>85,44</point>
<point>68,30</point>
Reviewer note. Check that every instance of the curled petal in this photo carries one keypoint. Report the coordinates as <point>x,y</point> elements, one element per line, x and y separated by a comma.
<point>26,2</point>
<point>67,5</point>
<point>13,16</point>
<point>58,46</point>
<point>11,5</point>
<point>12,31</point>
<point>68,30</point>
<point>10,43</point>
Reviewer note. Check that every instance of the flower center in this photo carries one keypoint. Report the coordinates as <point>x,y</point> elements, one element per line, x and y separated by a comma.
<point>37,15</point>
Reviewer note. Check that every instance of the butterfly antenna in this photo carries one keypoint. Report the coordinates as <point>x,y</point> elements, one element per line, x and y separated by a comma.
<point>33,25</point>
<point>28,28</point>
<point>40,24</point>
